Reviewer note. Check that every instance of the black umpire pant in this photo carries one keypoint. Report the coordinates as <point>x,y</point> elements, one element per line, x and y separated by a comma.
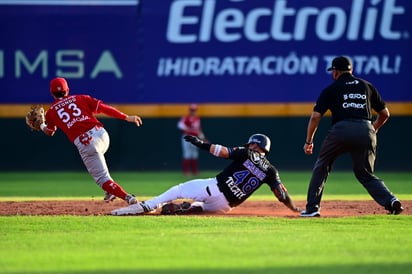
<point>357,137</point>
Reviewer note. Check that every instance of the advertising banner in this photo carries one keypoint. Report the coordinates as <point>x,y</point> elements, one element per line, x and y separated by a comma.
<point>93,44</point>
<point>205,51</point>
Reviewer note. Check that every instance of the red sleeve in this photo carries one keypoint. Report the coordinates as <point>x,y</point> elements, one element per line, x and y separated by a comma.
<point>111,111</point>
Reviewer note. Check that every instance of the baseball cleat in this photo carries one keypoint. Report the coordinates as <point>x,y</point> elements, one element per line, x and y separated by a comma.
<point>175,208</point>
<point>305,213</point>
<point>181,208</point>
<point>146,207</point>
<point>134,209</point>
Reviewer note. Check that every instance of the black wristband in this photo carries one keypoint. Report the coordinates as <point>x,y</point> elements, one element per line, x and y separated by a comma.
<point>308,143</point>
<point>205,146</point>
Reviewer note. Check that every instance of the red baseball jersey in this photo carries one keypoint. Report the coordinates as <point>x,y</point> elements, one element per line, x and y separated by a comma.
<point>74,115</point>
<point>190,125</point>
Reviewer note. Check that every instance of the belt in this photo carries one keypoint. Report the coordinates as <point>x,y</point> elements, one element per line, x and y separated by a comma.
<point>230,203</point>
<point>93,130</point>
<point>208,191</point>
<point>358,120</point>
<point>210,194</point>
<point>85,137</point>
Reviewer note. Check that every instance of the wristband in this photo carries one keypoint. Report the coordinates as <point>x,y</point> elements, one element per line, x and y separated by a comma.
<point>216,151</point>
<point>43,126</point>
<point>308,143</point>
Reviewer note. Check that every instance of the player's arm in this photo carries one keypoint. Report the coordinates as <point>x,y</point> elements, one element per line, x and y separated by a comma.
<point>48,128</point>
<point>115,113</point>
<point>283,196</point>
<point>215,149</point>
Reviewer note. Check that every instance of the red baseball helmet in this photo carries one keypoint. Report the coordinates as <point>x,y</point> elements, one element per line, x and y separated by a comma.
<point>59,86</point>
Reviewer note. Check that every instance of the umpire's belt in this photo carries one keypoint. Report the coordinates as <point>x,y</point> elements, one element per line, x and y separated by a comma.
<point>358,121</point>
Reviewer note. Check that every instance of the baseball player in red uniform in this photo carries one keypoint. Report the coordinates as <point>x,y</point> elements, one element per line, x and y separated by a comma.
<point>248,170</point>
<point>190,125</point>
<point>75,116</point>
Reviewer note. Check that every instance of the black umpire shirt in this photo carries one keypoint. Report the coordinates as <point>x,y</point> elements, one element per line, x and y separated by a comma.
<point>349,97</point>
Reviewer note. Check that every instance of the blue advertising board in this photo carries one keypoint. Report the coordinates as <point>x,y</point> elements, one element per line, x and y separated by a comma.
<point>205,51</point>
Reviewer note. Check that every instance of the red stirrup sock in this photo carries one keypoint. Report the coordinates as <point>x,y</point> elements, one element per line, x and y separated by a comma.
<point>186,166</point>
<point>193,166</point>
<point>113,188</point>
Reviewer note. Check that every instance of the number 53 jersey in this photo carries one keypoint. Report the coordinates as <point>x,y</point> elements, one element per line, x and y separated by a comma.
<point>74,115</point>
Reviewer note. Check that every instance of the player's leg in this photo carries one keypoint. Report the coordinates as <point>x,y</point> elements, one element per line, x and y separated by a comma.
<point>193,190</point>
<point>194,156</point>
<point>95,162</point>
<point>214,201</point>
<point>204,192</point>
<point>186,157</point>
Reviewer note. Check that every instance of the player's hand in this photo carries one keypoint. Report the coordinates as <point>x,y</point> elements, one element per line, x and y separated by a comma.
<point>134,119</point>
<point>308,149</point>
<point>193,139</point>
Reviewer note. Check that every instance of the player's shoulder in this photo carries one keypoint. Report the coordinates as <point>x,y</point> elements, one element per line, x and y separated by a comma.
<point>82,96</point>
<point>86,98</point>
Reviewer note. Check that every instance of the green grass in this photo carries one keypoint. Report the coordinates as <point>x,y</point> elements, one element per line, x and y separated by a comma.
<point>69,185</point>
<point>148,244</point>
<point>199,244</point>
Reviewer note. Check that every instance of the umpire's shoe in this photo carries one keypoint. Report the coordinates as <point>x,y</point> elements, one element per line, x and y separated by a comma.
<point>396,207</point>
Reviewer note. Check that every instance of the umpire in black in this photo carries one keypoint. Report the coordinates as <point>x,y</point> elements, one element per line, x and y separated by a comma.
<point>350,100</point>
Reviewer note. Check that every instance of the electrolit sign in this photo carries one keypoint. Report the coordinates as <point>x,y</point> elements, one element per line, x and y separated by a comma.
<point>327,23</point>
<point>156,51</point>
<point>274,51</point>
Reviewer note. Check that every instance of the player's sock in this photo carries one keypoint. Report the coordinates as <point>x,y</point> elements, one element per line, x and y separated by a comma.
<point>193,165</point>
<point>113,188</point>
<point>186,166</point>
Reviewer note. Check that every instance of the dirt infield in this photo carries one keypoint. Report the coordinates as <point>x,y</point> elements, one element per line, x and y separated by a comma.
<point>249,208</point>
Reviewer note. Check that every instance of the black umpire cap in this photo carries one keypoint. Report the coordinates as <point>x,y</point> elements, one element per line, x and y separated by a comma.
<point>341,63</point>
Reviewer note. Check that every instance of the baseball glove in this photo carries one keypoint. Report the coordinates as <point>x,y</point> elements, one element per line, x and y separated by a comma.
<point>180,208</point>
<point>35,117</point>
